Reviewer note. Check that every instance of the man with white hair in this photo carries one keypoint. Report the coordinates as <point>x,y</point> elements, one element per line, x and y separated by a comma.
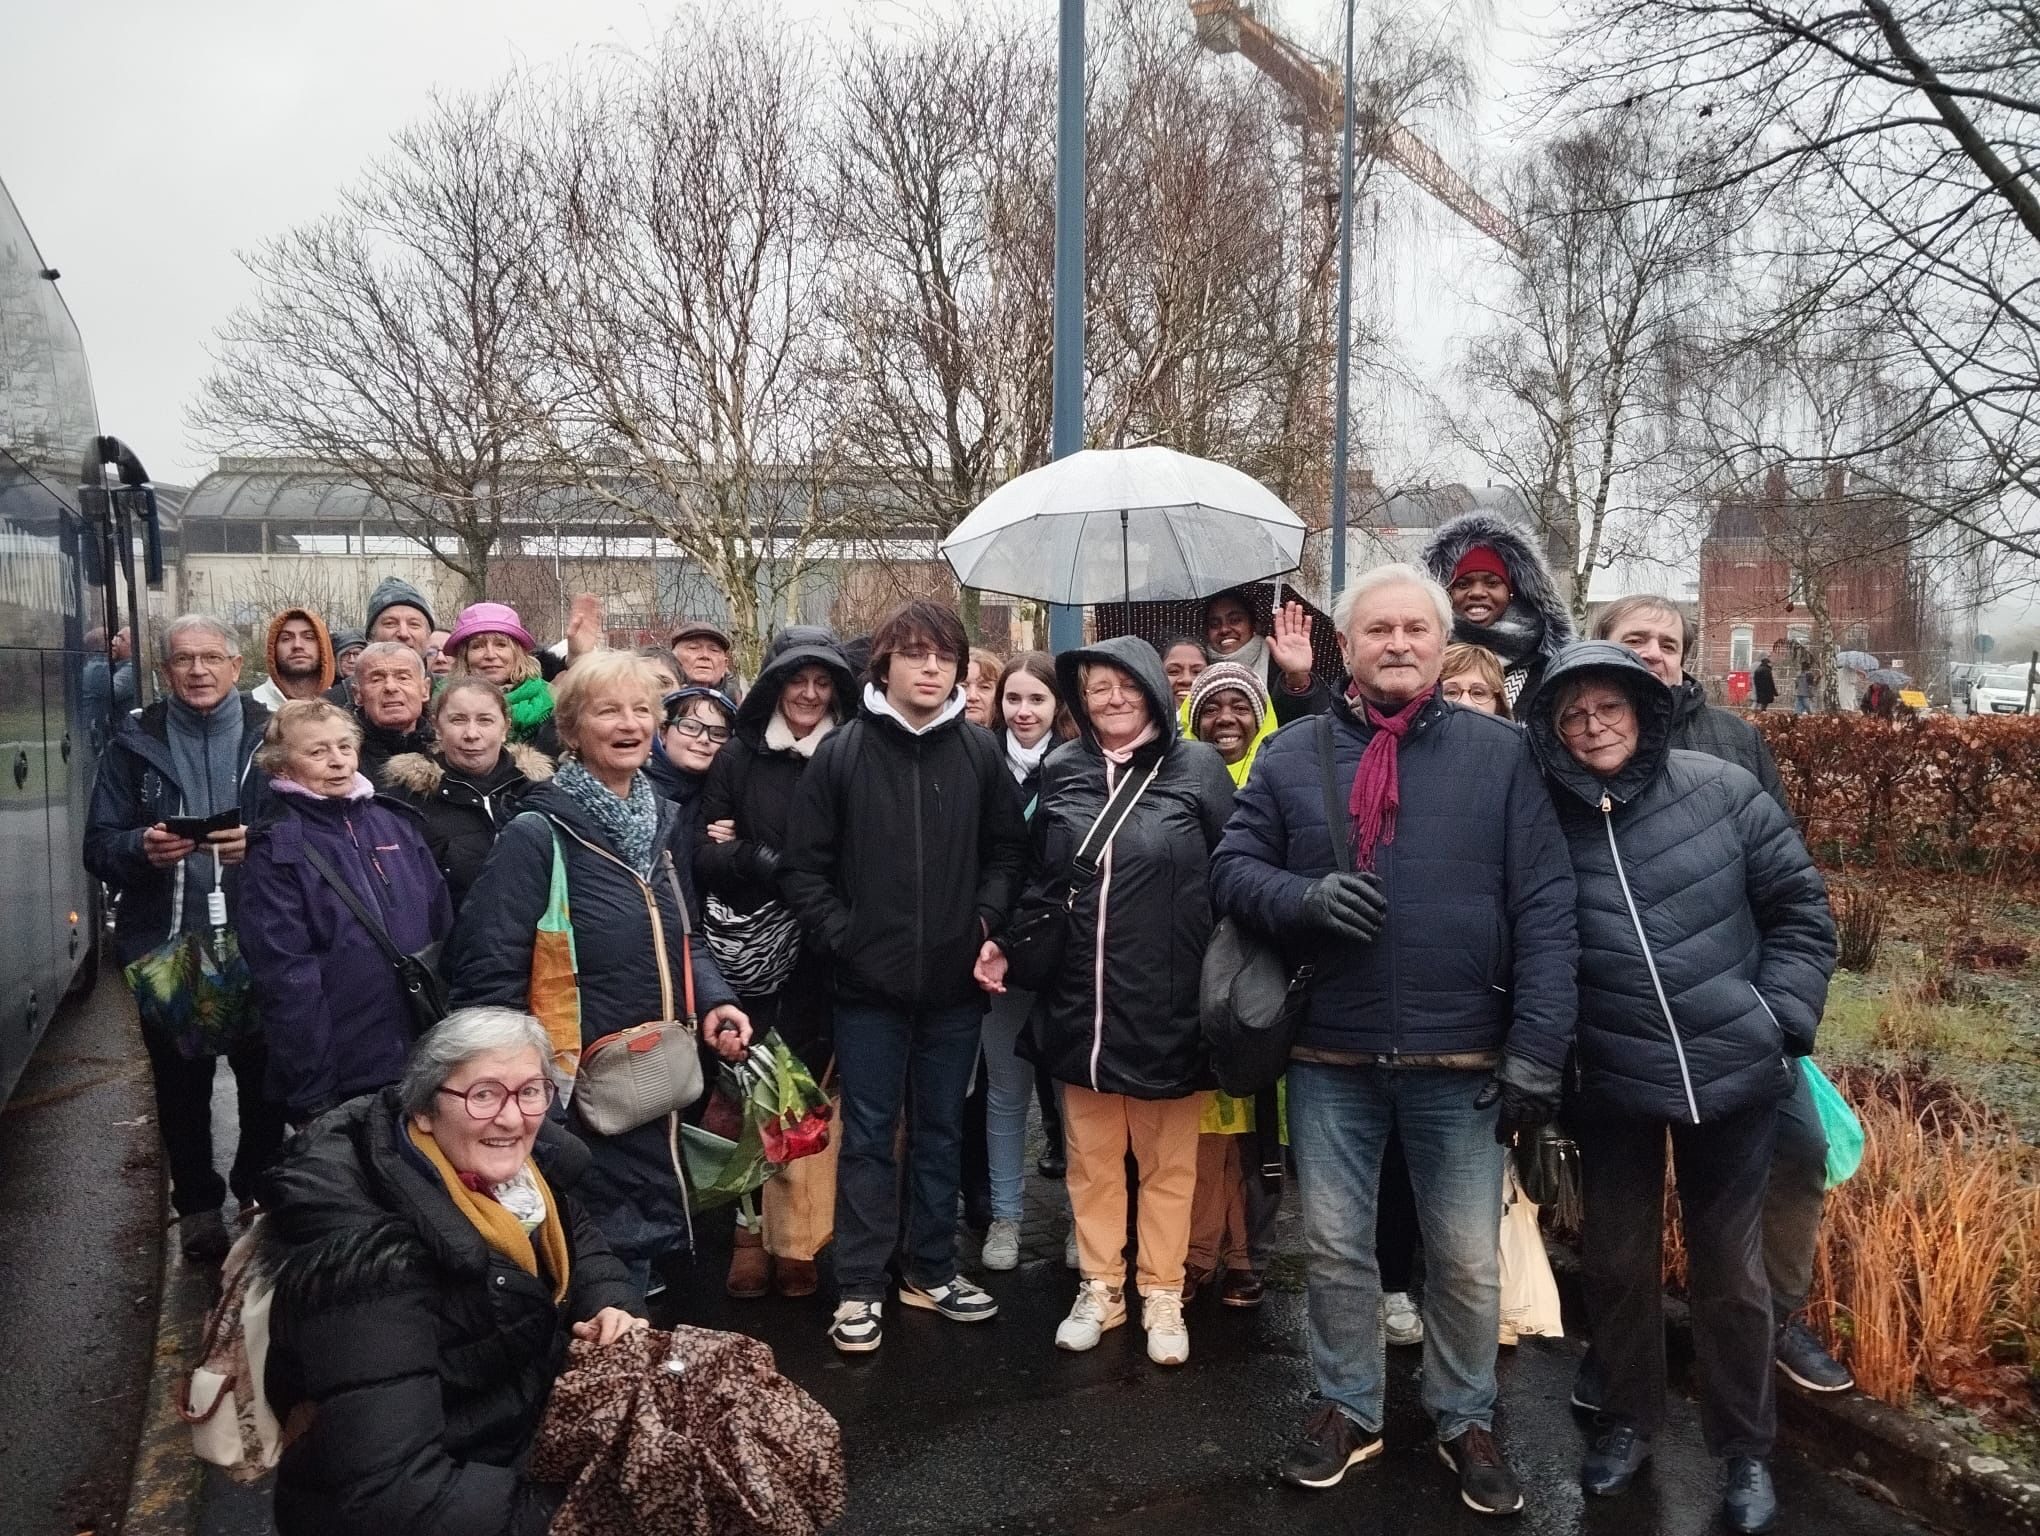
<point>189,755</point>
<point>1442,1006</point>
<point>390,691</point>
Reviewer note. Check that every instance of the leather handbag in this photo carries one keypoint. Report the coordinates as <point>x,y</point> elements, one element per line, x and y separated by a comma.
<point>637,1075</point>
<point>1034,944</point>
<point>1251,996</point>
<point>417,974</point>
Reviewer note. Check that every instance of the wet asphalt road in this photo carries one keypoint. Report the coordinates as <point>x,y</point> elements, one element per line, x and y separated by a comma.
<point>80,1209</point>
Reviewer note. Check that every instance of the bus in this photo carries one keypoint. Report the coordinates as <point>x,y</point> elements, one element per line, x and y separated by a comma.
<point>57,585</point>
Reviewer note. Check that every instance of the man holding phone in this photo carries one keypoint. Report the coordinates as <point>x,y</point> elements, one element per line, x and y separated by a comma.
<point>176,792</point>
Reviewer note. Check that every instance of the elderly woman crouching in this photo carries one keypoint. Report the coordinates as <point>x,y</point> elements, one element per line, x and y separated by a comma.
<point>429,1267</point>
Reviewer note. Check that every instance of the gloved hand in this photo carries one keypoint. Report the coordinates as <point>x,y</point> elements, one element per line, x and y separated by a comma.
<point>759,864</point>
<point>1529,1093</point>
<point>1346,905</point>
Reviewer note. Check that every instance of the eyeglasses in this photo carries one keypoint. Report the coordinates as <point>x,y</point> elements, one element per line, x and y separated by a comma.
<point>188,661</point>
<point>688,725</point>
<point>1606,717</point>
<point>485,1100</point>
<point>920,655</point>
<point>1097,693</point>
<point>1479,693</point>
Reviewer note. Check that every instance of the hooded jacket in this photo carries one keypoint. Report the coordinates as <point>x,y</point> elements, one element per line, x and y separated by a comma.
<point>1698,726</point>
<point>463,813</point>
<point>423,1357</point>
<point>1479,948</point>
<point>1705,937</point>
<point>1534,598</point>
<point>752,783</point>
<point>903,852</point>
<point>136,787</point>
<point>269,693</point>
<point>630,1189</point>
<point>333,1011</point>
<point>1125,1020</point>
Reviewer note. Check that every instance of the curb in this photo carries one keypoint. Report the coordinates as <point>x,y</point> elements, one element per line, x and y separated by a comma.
<point>1894,1457</point>
<point>163,1495</point>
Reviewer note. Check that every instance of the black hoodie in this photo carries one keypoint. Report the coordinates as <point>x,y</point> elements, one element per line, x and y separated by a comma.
<point>1537,624</point>
<point>1705,937</point>
<point>1152,907</point>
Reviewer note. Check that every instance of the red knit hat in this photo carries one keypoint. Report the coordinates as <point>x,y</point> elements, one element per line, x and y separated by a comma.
<point>1482,557</point>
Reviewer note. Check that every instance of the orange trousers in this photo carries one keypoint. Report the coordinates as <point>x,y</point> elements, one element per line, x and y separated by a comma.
<point>1099,1129</point>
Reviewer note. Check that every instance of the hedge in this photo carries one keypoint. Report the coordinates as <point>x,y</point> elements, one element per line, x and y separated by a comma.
<point>1937,792</point>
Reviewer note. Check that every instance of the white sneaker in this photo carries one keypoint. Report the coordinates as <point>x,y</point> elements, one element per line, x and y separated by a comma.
<point>1070,1260</point>
<point>857,1328</point>
<point>1002,1246</point>
<point>1097,1308</point>
<point>1400,1317</point>
<point>1161,1313</point>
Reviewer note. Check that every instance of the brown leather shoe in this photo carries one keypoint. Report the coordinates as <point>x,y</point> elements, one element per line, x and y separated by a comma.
<point>750,1266</point>
<point>1242,1288</point>
<point>794,1277</point>
<point>1194,1280</point>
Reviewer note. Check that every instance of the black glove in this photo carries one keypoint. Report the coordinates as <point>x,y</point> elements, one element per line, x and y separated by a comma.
<point>1529,1094</point>
<point>759,864</point>
<point>1347,906</point>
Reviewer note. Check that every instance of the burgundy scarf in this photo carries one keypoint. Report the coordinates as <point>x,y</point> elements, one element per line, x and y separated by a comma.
<point>1376,787</point>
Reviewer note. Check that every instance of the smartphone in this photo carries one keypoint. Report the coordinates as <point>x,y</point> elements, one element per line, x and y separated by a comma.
<point>197,828</point>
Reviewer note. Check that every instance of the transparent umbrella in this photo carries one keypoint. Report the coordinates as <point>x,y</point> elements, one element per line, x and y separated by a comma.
<point>1856,661</point>
<point>1125,525</point>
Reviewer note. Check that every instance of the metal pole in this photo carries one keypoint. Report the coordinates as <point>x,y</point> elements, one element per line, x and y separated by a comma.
<point>1065,622</point>
<point>1341,408</point>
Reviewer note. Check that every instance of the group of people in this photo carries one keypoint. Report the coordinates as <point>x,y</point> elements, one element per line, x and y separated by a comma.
<point>1532,876</point>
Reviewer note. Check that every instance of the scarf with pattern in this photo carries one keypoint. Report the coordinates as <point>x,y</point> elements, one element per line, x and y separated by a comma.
<point>631,825</point>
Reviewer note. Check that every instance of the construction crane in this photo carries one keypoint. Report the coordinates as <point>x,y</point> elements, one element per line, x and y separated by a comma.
<point>1230,26</point>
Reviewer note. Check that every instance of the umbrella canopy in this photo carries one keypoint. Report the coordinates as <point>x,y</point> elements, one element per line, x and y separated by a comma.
<point>1856,661</point>
<point>1891,677</point>
<point>1125,524</point>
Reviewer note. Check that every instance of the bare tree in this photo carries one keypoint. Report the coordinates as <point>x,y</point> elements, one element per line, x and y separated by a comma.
<point>390,340</point>
<point>1574,386</point>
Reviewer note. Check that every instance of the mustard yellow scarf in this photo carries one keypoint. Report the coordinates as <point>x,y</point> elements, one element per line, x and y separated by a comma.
<point>498,1227</point>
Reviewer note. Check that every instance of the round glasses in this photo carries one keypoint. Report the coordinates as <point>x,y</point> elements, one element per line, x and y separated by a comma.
<point>485,1100</point>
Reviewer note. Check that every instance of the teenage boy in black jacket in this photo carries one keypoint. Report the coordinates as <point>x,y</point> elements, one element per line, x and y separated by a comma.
<point>903,854</point>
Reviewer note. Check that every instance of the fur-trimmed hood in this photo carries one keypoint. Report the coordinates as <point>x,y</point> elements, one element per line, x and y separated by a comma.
<point>422,773</point>
<point>1530,578</point>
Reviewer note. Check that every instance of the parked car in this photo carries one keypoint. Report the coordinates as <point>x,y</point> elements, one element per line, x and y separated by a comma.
<point>2001,691</point>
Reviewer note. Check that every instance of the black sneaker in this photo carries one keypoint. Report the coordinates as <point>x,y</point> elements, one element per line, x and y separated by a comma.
<point>203,1237</point>
<point>1612,1462</point>
<point>1750,1503</point>
<point>1486,1485</point>
<point>1804,1362</point>
<point>1329,1444</point>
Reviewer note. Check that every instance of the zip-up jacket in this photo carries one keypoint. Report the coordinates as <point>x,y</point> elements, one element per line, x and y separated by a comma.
<point>1478,950</point>
<point>904,850</point>
<point>137,787</point>
<point>1705,937</point>
<point>1120,1014</point>
<point>463,812</point>
<point>1698,726</point>
<point>333,1013</point>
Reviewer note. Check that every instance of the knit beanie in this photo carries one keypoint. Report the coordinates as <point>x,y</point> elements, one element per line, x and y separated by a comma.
<point>393,592</point>
<point>1483,557</point>
<point>1229,676</point>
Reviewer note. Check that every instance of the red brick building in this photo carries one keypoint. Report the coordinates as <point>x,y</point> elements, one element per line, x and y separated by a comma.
<point>1756,554</point>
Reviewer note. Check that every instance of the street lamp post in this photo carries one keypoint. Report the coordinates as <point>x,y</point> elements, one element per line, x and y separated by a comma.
<point>1342,410</point>
<point>1066,622</point>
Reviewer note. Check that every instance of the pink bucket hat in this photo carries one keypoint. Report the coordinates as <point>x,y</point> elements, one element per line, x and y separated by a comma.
<point>489,619</point>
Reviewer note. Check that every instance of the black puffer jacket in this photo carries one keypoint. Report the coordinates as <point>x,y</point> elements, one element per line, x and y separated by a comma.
<point>423,1357</point>
<point>1155,895</point>
<point>1537,624</point>
<point>1698,726</point>
<point>463,812</point>
<point>904,850</point>
<point>630,1190</point>
<point>1478,951</point>
<point>1705,938</point>
<point>753,784</point>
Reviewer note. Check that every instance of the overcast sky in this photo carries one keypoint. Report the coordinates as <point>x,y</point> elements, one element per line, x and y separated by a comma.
<point>145,142</point>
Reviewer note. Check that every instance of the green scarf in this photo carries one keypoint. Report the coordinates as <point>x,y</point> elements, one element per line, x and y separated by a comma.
<point>531,705</point>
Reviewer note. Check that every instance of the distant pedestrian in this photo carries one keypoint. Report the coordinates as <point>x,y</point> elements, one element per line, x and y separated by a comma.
<point>1503,596</point>
<point>1764,686</point>
<point>903,854</point>
<point>1802,691</point>
<point>108,685</point>
<point>1460,878</point>
<point>190,754</point>
<point>1693,886</point>
<point>334,1012</point>
<point>299,655</point>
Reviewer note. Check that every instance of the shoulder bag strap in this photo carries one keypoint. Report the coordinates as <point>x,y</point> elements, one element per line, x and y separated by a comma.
<point>353,903</point>
<point>1336,820</point>
<point>1091,852</point>
<point>686,937</point>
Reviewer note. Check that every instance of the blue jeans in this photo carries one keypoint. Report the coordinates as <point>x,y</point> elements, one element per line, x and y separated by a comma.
<point>1009,1084</point>
<point>1340,1119</point>
<point>879,1052</point>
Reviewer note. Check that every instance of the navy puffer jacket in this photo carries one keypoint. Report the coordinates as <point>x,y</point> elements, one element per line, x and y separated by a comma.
<point>1478,949</point>
<point>1705,937</point>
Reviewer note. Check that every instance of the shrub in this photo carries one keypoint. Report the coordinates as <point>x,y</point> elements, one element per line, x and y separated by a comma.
<point>1860,910</point>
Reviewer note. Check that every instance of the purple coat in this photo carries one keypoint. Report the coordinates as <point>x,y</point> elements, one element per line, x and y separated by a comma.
<point>333,1013</point>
